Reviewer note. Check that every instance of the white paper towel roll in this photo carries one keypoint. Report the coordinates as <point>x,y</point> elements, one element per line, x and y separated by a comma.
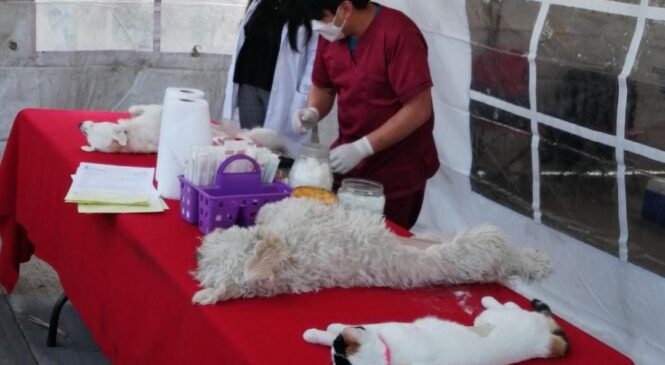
<point>183,92</point>
<point>170,95</point>
<point>185,124</point>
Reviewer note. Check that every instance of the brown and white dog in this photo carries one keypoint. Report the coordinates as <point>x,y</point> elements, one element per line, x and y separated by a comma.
<point>502,334</point>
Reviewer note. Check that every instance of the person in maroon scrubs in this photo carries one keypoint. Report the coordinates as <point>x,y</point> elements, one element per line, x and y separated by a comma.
<point>374,60</point>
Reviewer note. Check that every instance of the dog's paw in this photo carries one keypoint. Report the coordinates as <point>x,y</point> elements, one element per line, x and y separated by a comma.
<point>311,335</point>
<point>336,328</point>
<point>136,110</point>
<point>88,148</point>
<point>489,302</point>
<point>206,296</point>
<point>317,337</point>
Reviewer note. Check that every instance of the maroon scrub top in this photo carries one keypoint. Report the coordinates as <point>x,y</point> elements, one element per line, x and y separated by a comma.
<point>388,68</point>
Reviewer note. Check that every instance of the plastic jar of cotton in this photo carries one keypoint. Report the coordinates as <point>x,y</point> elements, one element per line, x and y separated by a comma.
<point>362,194</point>
<point>312,167</point>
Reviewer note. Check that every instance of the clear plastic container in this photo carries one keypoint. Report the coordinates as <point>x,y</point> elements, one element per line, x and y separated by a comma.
<point>312,167</point>
<point>362,194</point>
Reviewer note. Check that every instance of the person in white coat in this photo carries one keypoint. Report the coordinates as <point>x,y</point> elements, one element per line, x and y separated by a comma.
<point>270,75</point>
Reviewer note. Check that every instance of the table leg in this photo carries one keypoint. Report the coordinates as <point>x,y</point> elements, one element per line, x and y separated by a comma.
<point>55,317</point>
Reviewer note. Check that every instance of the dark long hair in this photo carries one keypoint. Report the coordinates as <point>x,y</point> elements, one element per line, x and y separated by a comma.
<point>296,13</point>
<point>318,6</point>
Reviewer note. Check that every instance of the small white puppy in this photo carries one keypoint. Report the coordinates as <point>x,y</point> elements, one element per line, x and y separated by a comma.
<point>139,134</point>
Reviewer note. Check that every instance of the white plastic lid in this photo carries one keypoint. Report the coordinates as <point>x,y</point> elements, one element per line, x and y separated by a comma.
<point>362,187</point>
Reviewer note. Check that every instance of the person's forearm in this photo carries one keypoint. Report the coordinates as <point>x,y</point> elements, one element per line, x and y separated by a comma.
<point>412,116</point>
<point>321,99</point>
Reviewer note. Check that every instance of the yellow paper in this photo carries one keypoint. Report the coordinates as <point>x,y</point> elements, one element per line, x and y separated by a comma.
<point>155,206</point>
<point>107,199</point>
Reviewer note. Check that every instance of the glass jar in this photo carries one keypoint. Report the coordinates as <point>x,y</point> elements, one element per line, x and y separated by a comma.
<point>312,167</point>
<point>362,194</point>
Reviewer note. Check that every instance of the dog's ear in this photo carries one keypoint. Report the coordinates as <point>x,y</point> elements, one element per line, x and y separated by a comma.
<point>120,135</point>
<point>270,254</point>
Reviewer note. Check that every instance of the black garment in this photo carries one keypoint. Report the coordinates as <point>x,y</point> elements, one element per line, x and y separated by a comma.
<point>257,59</point>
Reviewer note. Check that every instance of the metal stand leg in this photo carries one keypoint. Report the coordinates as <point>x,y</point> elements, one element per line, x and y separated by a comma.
<point>55,317</point>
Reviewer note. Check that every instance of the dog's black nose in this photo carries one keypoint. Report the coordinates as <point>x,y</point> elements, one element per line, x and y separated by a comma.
<point>80,125</point>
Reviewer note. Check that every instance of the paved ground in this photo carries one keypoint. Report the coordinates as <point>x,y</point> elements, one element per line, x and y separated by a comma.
<point>23,342</point>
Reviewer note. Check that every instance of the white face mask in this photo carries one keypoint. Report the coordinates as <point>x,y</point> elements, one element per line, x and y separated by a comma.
<point>329,32</point>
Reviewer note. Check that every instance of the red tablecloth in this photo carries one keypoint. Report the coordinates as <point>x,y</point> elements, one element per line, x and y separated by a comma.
<point>128,275</point>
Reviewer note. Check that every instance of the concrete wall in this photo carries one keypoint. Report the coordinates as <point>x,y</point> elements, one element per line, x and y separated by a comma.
<point>98,80</point>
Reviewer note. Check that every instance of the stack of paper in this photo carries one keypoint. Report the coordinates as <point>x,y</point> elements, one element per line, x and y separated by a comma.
<point>101,188</point>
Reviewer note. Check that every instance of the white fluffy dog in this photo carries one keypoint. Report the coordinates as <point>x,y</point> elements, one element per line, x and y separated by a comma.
<point>139,134</point>
<point>300,245</point>
<point>230,130</point>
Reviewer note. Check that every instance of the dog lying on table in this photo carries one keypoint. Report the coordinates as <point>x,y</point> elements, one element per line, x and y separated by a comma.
<point>300,245</point>
<point>502,334</point>
<point>140,133</point>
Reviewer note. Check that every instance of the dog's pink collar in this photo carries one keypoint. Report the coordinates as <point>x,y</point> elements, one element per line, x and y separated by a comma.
<point>387,350</point>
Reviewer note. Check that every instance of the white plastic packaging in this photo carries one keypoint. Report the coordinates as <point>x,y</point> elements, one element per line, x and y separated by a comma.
<point>362,194</point>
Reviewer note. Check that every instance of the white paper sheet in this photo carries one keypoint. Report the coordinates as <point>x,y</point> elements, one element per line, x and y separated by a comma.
<point>109,184</point>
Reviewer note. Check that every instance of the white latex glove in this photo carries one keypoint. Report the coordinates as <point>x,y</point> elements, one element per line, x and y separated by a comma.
<point>345,157</point>
<point>304,119</point>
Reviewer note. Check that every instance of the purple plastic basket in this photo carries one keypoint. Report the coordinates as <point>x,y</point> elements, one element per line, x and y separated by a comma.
<point>234,199</point>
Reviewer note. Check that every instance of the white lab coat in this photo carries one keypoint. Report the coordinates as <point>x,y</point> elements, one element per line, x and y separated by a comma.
<point>290,88</point>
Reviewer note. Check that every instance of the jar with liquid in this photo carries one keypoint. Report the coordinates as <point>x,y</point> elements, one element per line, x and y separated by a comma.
<point>362,194</point>
<point>312,167</point>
